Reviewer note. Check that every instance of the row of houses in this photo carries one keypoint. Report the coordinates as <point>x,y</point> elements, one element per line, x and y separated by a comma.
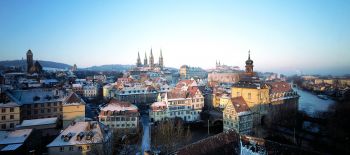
<point>40,103</point>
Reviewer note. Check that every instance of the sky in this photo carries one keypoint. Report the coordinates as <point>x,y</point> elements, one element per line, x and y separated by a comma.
<point>289,36</point>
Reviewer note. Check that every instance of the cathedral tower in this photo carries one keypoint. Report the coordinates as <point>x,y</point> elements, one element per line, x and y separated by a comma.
<point>145,61</point>
<point>151,60</point>
<point>161,63</point>
<point>138,63</point>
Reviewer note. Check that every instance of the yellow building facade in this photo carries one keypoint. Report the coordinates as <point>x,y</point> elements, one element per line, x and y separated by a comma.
<point>9,115</point>
<point>73,108</point>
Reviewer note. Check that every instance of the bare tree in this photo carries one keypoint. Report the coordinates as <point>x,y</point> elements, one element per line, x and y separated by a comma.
<point>98,144</point>
<point>168,135</point>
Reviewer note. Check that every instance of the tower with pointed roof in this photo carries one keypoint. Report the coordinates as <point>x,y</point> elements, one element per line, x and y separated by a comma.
<point>145,61</point>
<point>30,62</point>
<point>249,66</point>
<point>138,63</point>
<point>161,63</point>
<point>151,60</point>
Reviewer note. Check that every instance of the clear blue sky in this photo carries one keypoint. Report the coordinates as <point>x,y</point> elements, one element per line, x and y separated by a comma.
<point>284,36</point>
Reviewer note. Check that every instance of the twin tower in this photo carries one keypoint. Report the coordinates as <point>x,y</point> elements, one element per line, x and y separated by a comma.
<point>151,63</point>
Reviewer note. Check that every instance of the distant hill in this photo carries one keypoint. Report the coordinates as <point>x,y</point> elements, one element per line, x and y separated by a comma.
<point>112,67</point>
<point>48,64</point>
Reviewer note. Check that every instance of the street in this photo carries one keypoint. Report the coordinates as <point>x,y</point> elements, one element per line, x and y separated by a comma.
<point>146,140</point>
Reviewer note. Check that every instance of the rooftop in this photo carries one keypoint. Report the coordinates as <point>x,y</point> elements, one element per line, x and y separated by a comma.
<point>14,137</point>
<point>279,87</point>
<point>115,105</point>
<point>73,99</point>
<point>9,105</point>
<point>239,104</point>
<point>41,121</point>
<point>36,96</point>
<point>78,133</point>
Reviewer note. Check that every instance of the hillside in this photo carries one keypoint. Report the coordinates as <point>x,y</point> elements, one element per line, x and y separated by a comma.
<point>112,67</point>
<point>49,64</point>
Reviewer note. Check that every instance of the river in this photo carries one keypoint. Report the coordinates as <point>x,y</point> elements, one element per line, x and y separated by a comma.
<point>310,103</point>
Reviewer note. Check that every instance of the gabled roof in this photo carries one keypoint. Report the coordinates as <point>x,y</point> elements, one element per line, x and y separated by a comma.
<point>239,104</point>
<point>73,98</point>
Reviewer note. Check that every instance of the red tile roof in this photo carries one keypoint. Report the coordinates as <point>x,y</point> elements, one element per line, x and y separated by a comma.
<point>239,104</point>
<point>279,87</point>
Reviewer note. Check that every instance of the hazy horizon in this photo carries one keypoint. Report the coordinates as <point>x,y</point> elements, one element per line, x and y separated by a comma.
<point>289,37</point>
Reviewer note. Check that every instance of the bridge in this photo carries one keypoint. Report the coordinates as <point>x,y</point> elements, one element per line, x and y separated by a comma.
<point>214,117</point>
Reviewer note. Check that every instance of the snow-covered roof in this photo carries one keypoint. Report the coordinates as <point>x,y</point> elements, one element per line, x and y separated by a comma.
<point>70,135</point>
<point>41,121</point>
<point>158,104</point>
<point>33,96</point>
<point>119,106</point>
<point>11,147</point>
<point>8,105</point>
<point>77,85</point>
<point>14,137</point>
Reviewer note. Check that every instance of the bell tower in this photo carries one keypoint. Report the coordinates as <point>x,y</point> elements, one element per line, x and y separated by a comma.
<point>30,62</point>
<point>249,66</point>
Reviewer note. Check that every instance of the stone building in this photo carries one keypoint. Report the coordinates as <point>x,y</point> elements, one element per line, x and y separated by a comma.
<point>120,115</point>
<point>48,103</point>
<point>238,116</point>
<point>187,72</point>
<point>268,101</point>
<point>185,101</point>
<point>88,137</point>
<point>9,115</point>
<point>33,67</point>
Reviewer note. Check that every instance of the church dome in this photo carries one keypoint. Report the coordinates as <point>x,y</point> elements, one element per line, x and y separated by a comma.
<point>249,61</point>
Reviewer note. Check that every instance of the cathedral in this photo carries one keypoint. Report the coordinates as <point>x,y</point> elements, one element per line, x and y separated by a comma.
<point>150,63</point>
<point>33,67</point>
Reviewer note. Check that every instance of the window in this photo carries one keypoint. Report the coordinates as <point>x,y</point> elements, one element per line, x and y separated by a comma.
<point>12,109</point>
<point>48,104</point>
<point>42,105</point>
<point>80,148</point>
<point>3,126</point>
<point>55,104</point>
<point>3,110</point>
<point>61,149</point>
<point>71,148</point>
<point>54,109</point>
<point>42,111</point>
<point>88,147</point>
<point>12,125</point>
<point>3,117</point>
<point>48,110</point>
<point>35,105</point>
<point>12,117</point>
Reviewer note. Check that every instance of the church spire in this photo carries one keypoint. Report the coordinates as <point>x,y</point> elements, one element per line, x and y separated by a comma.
<point>151,60</point>
<point>145,61</point>
<point>249,54</point>
<point>138,63</point>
